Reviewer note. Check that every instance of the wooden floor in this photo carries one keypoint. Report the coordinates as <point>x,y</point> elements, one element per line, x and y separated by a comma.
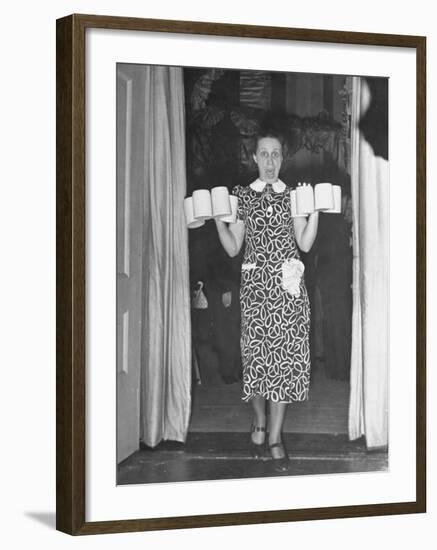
<point>217,446</point>
<point>217,407</point>
<point>219,456</point>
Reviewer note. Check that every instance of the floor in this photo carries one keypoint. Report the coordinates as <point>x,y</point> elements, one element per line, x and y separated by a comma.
<point>315,434</point>
<point>217,407</point>
<point>218,456</point>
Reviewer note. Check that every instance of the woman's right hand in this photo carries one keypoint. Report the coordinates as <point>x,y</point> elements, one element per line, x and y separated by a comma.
<point>231,236</point>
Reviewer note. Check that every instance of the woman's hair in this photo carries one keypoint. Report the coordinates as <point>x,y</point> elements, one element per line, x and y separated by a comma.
<point>269,133</point>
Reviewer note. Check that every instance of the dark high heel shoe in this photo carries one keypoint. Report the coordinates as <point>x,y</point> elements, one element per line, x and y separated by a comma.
<point>257,450</point>
<point>279,464</point>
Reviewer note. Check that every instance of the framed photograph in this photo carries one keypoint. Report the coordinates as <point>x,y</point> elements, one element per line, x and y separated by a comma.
<point>240,274</point>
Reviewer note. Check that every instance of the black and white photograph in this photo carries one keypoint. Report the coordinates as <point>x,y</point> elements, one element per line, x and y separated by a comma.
<point>252,273</point>
<point>217,294</point>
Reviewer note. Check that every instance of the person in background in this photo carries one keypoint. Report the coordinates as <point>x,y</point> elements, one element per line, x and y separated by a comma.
<point>223,286</point>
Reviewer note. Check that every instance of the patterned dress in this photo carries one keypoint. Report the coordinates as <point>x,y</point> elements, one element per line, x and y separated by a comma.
<point>274,322</point>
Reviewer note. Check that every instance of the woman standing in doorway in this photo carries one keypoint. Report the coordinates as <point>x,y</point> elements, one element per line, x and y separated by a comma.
<point>275,313</point>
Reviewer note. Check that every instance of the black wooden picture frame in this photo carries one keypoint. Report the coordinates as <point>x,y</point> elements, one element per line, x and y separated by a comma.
<point>71,253</point>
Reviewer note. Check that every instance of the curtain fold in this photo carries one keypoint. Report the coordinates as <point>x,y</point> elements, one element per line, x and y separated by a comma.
<point>166,351</point>
<point>368,406</point>
<point>356,407</point>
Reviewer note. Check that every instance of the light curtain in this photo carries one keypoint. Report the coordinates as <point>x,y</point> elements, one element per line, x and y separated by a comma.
<point>166,344</point>
<point>368,406</point>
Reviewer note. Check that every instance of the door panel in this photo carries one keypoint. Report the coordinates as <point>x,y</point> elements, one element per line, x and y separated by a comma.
<point>130,177</point>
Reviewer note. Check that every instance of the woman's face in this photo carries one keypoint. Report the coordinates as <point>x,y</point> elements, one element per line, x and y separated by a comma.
<point>268,157</point>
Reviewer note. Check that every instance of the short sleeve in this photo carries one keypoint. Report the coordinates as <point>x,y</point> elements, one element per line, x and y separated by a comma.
<point>240,209</point>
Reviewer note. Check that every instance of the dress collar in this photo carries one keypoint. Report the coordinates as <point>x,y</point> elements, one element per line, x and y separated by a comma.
<point>258,185</point>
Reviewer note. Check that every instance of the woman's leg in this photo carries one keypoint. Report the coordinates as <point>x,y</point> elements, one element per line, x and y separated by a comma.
<point>276,421</point>
<point>259,409</point>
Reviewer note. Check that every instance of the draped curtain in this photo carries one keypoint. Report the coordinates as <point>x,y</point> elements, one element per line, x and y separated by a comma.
<point>368,406</point>
<point>166,340</point>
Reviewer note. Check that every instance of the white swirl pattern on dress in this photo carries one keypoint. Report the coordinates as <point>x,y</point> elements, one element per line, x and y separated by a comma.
<point>274,322</point>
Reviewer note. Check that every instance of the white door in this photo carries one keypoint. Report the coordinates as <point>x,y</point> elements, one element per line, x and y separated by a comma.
<point>130,176</point>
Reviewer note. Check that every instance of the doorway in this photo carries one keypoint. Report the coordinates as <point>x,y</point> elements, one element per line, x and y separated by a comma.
<point>223,110</point>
